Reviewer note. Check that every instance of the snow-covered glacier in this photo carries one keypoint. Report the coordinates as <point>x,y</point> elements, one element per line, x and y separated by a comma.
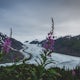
<point>60,60</point>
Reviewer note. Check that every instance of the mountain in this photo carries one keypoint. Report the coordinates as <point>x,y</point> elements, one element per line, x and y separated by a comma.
<point>67,45</point>
<point>34,42</point>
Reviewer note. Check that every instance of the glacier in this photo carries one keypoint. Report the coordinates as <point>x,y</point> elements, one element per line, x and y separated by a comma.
<point>61,60</point>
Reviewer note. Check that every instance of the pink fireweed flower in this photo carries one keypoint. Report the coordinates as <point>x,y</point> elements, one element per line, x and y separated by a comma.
<point>6,45</point>
<point>49,43</point>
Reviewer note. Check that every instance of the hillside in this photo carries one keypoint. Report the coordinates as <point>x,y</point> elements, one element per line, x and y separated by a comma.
<point>65,45</point>
<point>68,45</point>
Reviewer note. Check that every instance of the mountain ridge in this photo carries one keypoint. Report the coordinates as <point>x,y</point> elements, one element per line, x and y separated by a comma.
<point>65,45</point>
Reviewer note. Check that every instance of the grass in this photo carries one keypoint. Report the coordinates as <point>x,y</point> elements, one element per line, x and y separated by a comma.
<point>32,72</point>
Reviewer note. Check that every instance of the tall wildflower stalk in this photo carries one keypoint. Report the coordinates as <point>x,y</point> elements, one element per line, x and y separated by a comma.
<point>48,49</point>
<point>7,43</point>
<point>6,46</point>
<point>49,42</point>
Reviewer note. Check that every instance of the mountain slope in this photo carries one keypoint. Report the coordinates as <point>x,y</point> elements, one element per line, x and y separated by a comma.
<point>67,45</point>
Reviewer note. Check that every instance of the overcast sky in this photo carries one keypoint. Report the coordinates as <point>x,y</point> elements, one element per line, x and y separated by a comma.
<point>31,19</point>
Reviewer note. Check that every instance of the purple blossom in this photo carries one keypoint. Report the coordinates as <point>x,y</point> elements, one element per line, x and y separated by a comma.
<point>49,43</point>
<point>6,45</point>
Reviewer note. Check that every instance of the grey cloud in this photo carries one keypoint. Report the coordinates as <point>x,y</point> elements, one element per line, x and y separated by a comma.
<point>31,19</point>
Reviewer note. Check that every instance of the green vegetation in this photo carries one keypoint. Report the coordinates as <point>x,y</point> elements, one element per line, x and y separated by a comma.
<point>32,72</point>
